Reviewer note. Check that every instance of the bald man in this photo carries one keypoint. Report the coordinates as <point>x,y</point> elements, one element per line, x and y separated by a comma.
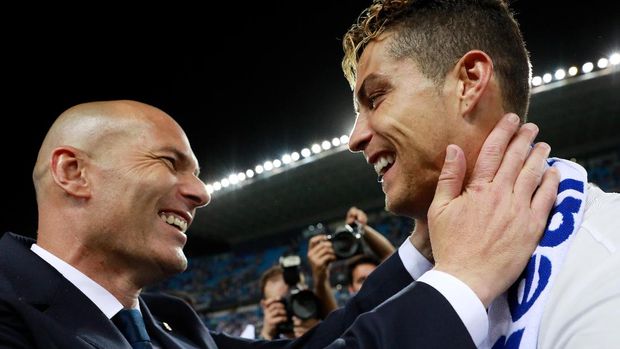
<point>117,187</point>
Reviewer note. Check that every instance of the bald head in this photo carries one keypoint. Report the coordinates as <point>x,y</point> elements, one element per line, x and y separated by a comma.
<point>94,127</point>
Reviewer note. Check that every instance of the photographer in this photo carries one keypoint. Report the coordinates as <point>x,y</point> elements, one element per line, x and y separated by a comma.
<point>321,253</point>
<point>276,321</point>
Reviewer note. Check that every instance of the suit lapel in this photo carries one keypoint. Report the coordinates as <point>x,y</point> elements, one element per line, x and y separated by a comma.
<point>55,296</point>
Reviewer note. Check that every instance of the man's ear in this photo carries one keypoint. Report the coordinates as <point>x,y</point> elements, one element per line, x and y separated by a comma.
<point>69,172</point>
<point>475,70</point>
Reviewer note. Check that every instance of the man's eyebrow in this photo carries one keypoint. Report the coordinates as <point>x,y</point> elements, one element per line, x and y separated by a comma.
<point>362,93</point>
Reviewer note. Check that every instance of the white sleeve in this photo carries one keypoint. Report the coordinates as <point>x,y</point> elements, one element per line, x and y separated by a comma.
<point>413,260</point>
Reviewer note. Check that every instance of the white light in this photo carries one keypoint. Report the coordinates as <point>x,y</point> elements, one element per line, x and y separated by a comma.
<point>259,169</point>
<point>217,186</point>
<point>241,176</point>
<point>209,189</point>
<point>225,182</point>
<point>305,152</point>
<point>572,71</point>
<point>587,67</point>
<point>536,81</point>
<point>602,63</point>
<point>233,179</point>
<point>326,145</point>
<point>286,159</point>
<point>316,148</point>
<point>336,142</point>
<point>614,59</point>
<point>344,139</point>
<point>249,173</point>
<point>277,163</point>
<point>559,74</point>
<point>268,166</point>
<point>547,78</point>
<point>294,156</point>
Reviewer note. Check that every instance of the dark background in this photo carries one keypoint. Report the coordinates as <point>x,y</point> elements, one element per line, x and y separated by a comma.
<point>247,81</point>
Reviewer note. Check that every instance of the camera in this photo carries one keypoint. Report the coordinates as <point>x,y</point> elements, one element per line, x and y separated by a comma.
<point>347,241</point>
<point>301,303</point>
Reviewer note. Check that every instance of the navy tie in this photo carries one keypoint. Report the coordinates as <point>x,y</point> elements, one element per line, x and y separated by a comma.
<point>130,323</point>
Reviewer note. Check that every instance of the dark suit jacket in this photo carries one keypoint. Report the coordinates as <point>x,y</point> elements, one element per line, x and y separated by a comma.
<point>39,308</point>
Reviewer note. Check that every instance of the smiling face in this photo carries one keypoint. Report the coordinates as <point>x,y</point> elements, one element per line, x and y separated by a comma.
<point>403,126</point>
<point>145,193</point>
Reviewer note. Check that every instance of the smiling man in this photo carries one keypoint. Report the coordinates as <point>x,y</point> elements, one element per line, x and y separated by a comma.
<point>431,74</point>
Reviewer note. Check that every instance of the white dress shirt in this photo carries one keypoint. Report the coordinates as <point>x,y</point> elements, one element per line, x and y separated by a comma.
<point>103,299</point>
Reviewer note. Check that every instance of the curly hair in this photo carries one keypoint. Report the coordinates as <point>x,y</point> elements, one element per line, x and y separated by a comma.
<point>437,33</point>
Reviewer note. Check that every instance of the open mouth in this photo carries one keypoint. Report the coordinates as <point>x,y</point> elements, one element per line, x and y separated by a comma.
<point>174,220</point>
<point>383,164</point>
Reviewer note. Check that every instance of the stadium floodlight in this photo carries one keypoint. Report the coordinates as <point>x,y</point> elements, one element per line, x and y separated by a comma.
<point>259,169</point>
<point>249,173</point>
<point>614,59</point>
<point>344,139</point>
<point>209,189</point>
<point>316,148</point>
<point>286,159</point>
<point>225,182</point>
<point>336,141</point>
<point>602,63</point>
<point>559,74</point>
<point>277,163</point>
<point>233,179</point>
<point>268,166</point>
<point>305,152</point>
<point>326,145</point>
<point>294,156</point>
<point>537,81</point>
<point>547,78</point>
<point>217,186</point>
<point>572,71</point>
<point>241,176</point>
<point>587,67</point>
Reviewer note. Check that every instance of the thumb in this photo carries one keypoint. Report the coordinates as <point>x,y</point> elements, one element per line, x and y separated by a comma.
<point>450,184</point>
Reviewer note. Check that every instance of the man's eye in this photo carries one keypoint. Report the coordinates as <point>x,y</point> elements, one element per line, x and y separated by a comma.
<point>170,162</point>
<point>373,101</point>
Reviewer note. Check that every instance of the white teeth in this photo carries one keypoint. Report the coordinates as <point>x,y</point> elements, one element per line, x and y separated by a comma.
<point>174,220</point>
<point>382,163</point>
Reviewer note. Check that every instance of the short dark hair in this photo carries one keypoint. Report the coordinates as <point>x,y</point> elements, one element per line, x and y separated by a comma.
<point>354,261</point>
<point>437,33</point>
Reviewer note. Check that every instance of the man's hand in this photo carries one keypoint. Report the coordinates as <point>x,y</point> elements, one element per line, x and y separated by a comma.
<point>274,313</point>
<point>320,255</point>
<point>485,233</point>
<point>356,215</point>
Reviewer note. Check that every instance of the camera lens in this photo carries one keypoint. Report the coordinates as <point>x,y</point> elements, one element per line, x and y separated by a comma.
<point>304,304</point>
<point>345,242</point>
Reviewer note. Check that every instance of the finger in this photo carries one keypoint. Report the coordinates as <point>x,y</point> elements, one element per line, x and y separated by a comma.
<point>450,182</point>
<point>326,259</point>
<point>532,172</point>
<point>492,151</point>
<point>315,240</point>
<point>515,156</point>
<point>545,196</point>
